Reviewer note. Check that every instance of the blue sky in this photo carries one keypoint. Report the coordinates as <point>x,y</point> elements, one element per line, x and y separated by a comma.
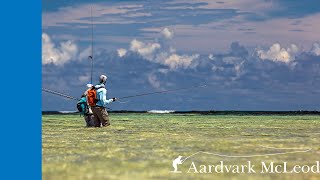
<point>252,54</point>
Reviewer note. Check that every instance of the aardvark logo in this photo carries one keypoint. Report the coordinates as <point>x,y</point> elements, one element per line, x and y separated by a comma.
<point>179,160</point>
<point>175,164</point>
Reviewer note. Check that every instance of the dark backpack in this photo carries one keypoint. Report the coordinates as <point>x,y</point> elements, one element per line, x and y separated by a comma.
<point>82,106</point>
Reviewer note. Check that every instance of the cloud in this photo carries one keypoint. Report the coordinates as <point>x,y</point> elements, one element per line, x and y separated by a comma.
<point>51,54</point>
<point>238,50</point>
<point>216,68</point>
<point>153,80</point>
<point>232,80</point>
<point>242,6</point>
<point>154,52</point>
<point>121,52</point>
<point>172,50</point>
<point>210,56</point>
<point>167,33</point>
<point>175,61</point>
<point>207,19</point>
<point>85,53</point>
<point>315,49</point>
<point>146,50</point>
<point>138,14</point>
<point>79,14</point>
<point>195,38</point>
<point>278,54</point>
<point>84,78</point>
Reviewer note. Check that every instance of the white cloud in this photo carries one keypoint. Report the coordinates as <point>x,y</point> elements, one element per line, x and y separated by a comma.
<point>278,54</point>
<point>167,33</point>
<point>211,56</point>
<point>167,56</point>
<point>315,49</point>
<point>175,61</point>
<point>146,50</point>
<point>163,71</point>
<point>293,49</point>
<point>239,70</point>
<point>121,52</point>
<point>57,55</point>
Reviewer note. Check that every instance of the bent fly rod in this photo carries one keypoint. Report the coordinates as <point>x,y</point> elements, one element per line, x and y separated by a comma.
<point>161,92</point>
<point>125,97</point>
<point>60,94</point>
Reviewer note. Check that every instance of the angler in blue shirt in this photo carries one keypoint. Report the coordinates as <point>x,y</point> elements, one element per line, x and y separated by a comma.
<point>102,96</point>
<point>100,114</point>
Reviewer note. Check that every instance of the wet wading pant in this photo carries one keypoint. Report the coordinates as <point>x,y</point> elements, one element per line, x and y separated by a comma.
<point>100,116</point>
<point>89,120</point>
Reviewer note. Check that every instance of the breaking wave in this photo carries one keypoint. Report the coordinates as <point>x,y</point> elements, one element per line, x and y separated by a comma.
<point>161,111</point>
<point>67,112</point>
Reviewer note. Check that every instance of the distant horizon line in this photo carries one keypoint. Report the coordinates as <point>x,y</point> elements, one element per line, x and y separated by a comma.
<point>217,112</point>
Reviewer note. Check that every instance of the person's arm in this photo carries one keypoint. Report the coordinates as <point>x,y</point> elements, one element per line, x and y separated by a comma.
<point>103,97</point>
<point>109,101</point>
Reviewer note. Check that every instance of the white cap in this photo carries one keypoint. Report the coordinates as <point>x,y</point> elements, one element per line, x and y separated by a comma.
<point>103,78</point>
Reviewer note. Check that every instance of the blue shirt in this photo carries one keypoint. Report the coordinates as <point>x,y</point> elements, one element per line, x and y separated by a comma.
<point>102,97</point>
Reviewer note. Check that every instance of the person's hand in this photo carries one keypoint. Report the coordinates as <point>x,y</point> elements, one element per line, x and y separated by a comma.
<point>114,99</point>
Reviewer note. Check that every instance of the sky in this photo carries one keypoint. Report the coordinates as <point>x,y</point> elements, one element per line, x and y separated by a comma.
<point>251,54</point>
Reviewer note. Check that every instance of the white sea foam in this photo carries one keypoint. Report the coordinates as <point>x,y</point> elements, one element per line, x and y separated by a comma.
<point>67,112</point>
<point>161,111</point>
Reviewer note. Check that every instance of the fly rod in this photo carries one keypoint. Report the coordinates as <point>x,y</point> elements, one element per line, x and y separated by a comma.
<point>126,97</point>
<point>60,94</point>
<point>91,56</point>
<point>160,92</point>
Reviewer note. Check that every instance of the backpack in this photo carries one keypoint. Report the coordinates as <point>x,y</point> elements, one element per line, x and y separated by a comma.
<point>92,97</point>
<point>80,106</point>
<point>83,107</point>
